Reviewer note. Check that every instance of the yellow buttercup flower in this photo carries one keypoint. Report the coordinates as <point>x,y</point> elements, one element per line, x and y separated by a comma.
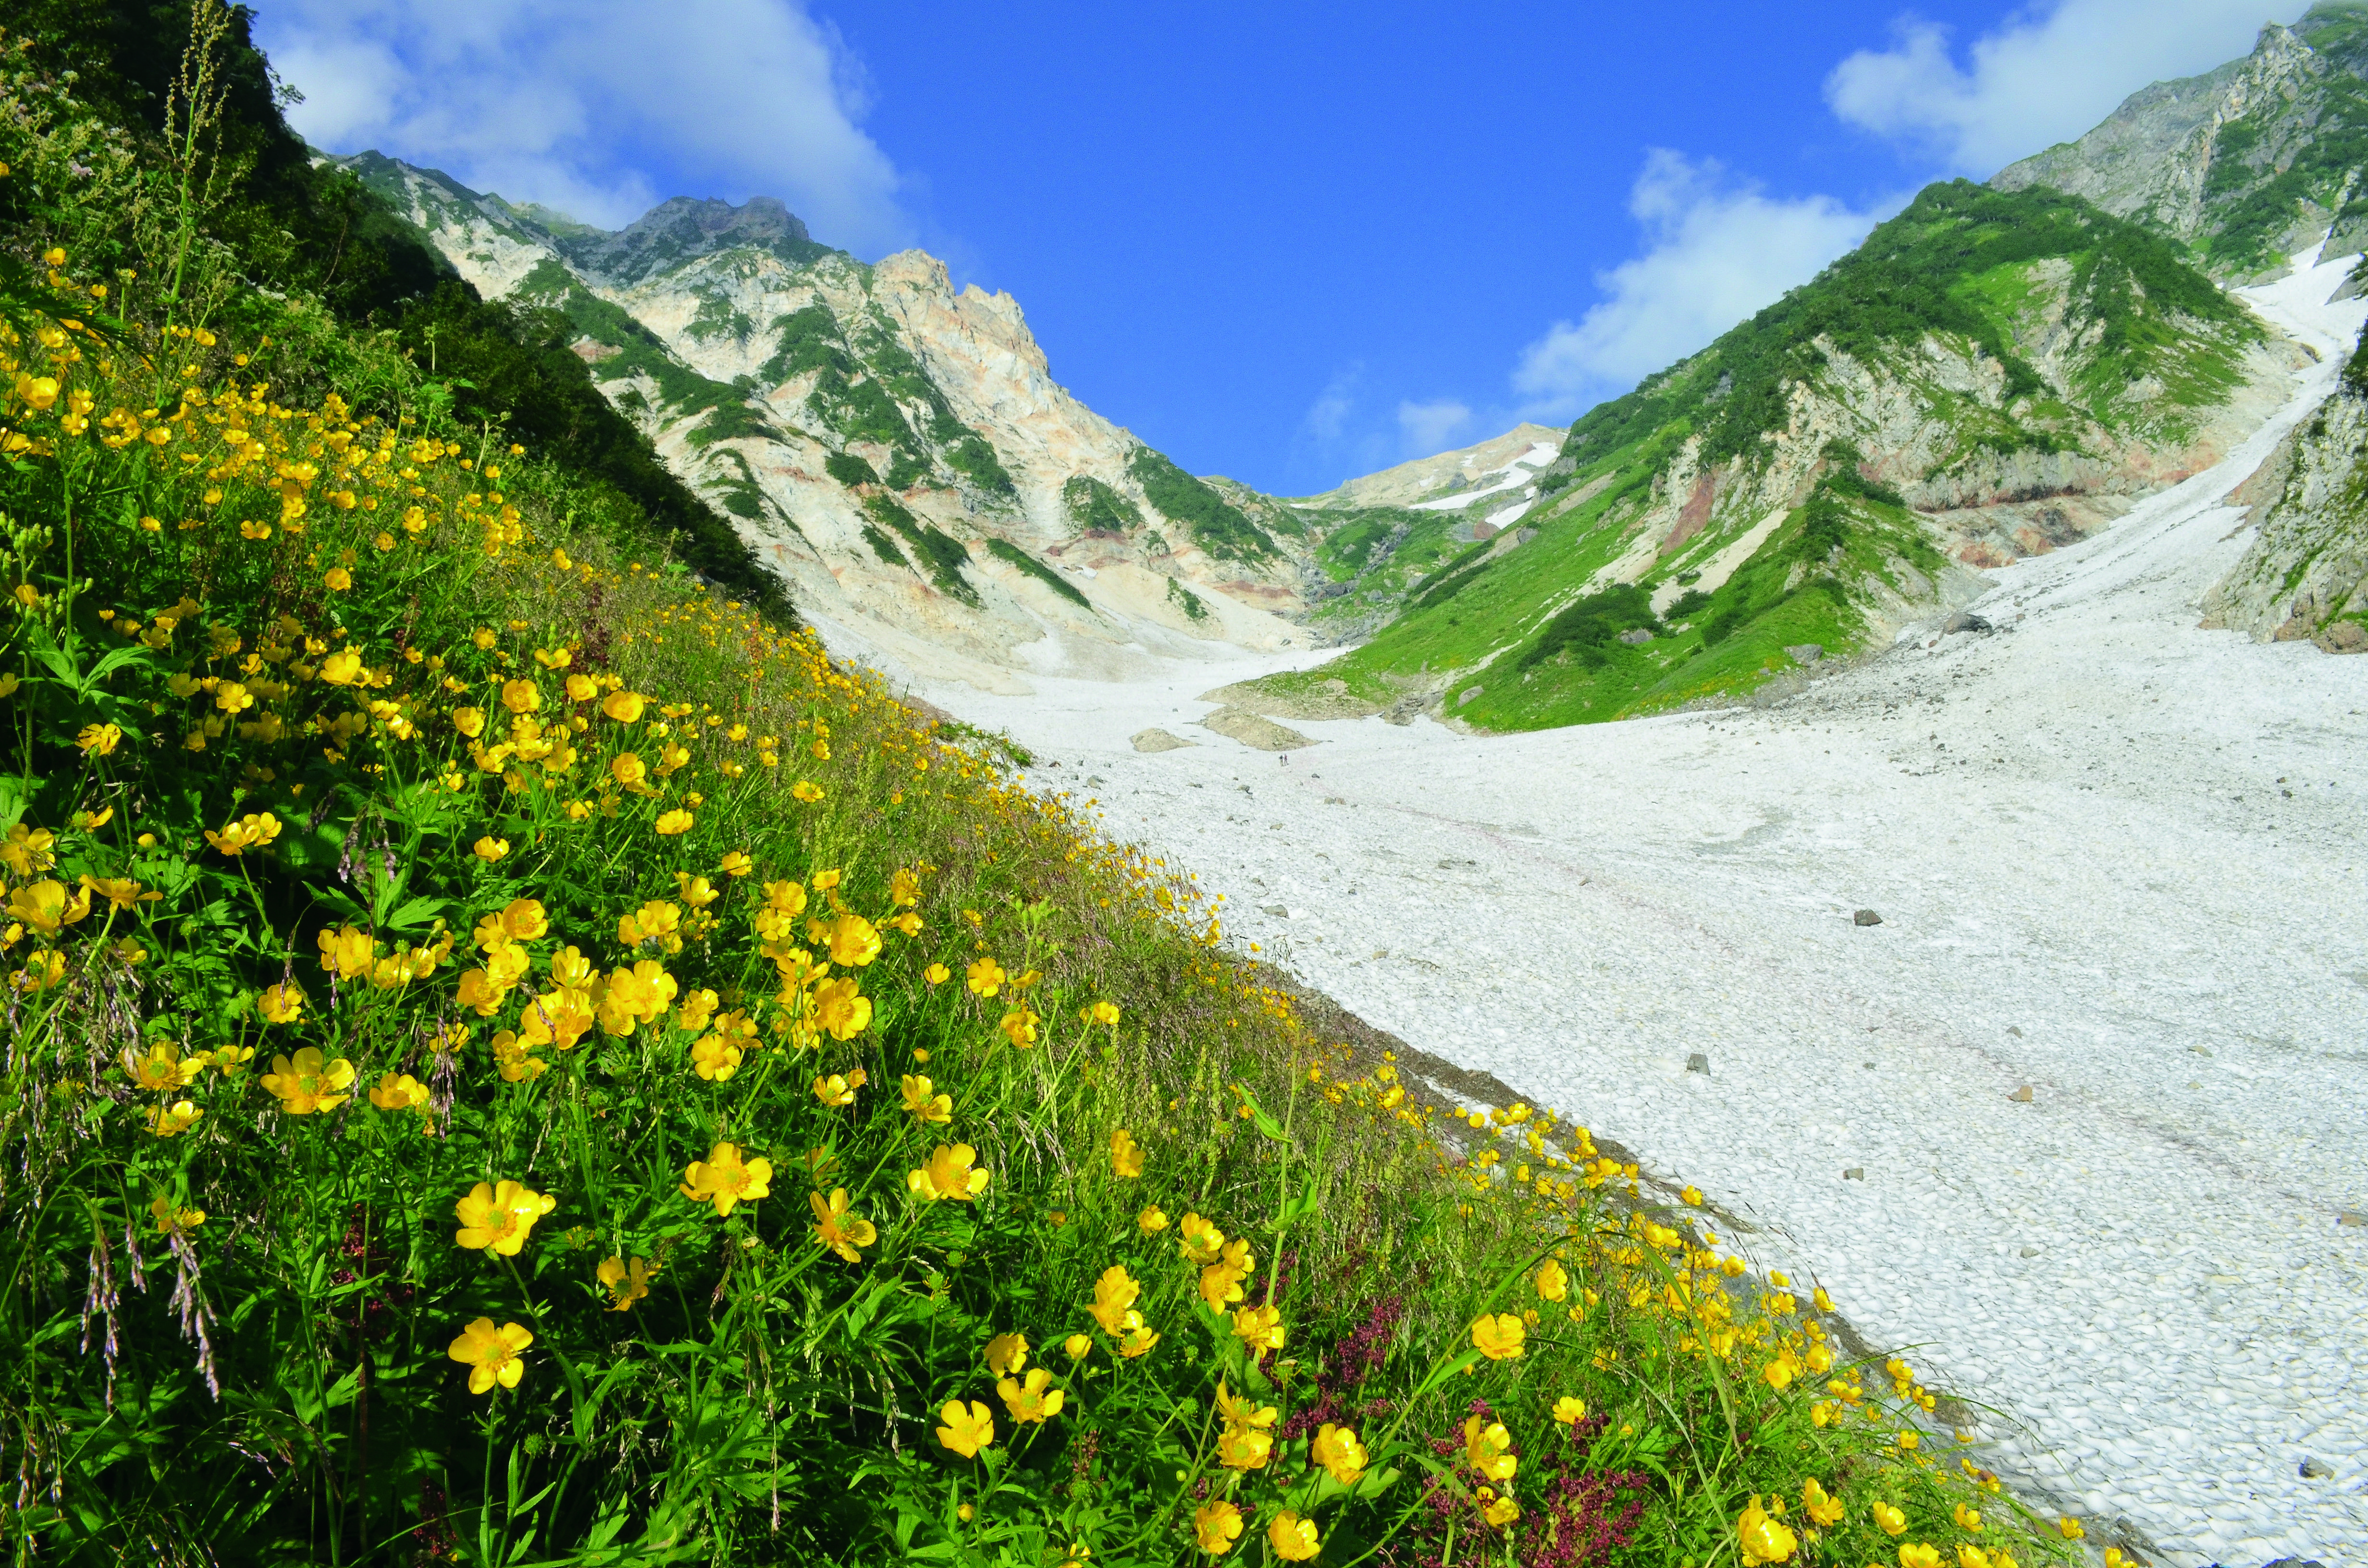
<point>161,1068</point>
<point>172,1221</point>
<point>674,823</point>
<point>1126,1156</point>
<point>626,1281</point>
<point>806,791</point>
<point>1245,1448</point>
<point>1890,1521</point>
<point>1151,1221</point>
<point>948,1176</point>
<point>1293,1538</point>
<point>735,863</point>
<point>835,1228</point>
<point>1488,1449</point>
<point>1032,1400</point>
<point>1822,1508</point>
<point>1198,1239</point>
<point>937,975</point>
<point>280,1003</point>
<point>1078,1345</point>
<point>398,1090</point>
<point>1215,1527</point>
<point>1552,1283</point>
<point>1499,1337</point>
<point>1762,1538</point>
<point>624,707</point>
<point>1103,1013</point>
<point>1338,1451</point>
<point>1005,1354</point>
<point>1916,1554</point>
<point>307,1083</point>
<point>986,977</point>
<point>1498,1511</point>
<point>492,1354</point>
<point>835,1091</point>
<point>1259,1328</point>
<point>925,1104</point>
<point>490,848</point>
<point>1568,1410</point>
<point>99,739</point>
<point>840,1009</point>
<point>250,832</point>
<point>171,1121</point>
<point>1139,1340</point>
<point>521,696</point>
<point>1115,1297</point>
<point>968,1428</point>
<point>499,1217</point>
<point>724,1180</point>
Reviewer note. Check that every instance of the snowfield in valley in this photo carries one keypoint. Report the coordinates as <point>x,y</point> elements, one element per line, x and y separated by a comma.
<point>2117,860</point>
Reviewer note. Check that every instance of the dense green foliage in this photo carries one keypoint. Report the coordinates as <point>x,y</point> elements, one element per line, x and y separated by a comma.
<point>1216,524</point>
<point>1592,623</point>
<point>1011,554</point>
<point>939,552</point>
<point>850,469</point>
<point>1095,507</point>
<point>290,226</point>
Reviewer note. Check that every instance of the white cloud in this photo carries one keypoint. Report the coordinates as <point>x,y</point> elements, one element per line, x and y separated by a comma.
<point>1716,251</point>
<point>2046,75</point>
<point>601,108</point>
<point>1327,416</point>
<point>1429,428</point>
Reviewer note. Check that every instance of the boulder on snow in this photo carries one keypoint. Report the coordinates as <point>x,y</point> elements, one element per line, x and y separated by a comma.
<point>1157,739</point>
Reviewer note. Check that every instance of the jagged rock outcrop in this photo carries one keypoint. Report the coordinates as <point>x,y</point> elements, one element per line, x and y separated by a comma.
<point>2247,162</point>
<point>896,449</point>
<point>2306,574</point>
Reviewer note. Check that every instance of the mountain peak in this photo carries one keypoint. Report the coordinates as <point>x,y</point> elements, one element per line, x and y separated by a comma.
<point>687,227</point>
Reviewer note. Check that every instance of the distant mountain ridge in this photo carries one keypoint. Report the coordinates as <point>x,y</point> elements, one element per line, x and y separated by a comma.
<point>894,448</point>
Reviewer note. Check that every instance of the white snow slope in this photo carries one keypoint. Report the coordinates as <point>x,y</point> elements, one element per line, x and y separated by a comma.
<point>2117,858</point>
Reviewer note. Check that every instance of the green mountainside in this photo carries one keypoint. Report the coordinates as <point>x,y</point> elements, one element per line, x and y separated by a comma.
<point>1773,499</point>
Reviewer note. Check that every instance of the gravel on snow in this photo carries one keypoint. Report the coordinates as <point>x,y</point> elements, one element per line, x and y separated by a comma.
<point>2117,858</point>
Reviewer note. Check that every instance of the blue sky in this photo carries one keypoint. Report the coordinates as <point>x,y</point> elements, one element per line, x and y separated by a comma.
<point>1290,244</point>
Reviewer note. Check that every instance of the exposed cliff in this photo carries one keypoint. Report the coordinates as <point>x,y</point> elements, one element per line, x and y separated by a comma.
<point>896,448</point>
<point>2306,574</point>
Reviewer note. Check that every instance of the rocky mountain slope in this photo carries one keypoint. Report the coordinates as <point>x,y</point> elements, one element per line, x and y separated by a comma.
<point>896,449</point>
<point>1990,375</point>
<point>1490,470</point>
<point>2305,576</point>
<point>2247,164</point>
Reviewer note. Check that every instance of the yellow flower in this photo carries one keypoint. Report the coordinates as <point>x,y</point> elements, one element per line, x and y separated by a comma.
<point>1293,1538</point>
<point>581,687</point>
<point>1032,1400</point>
<point>625,707</point>
<point>1078,1345</point>
<point>1968,1519</point>
<point>715,1058</point>
<point>250,832</point>
<point>1244,1447</point>
<point>1568,1410</point>
<point>1260,1328</point>
<point>1220,1282</point>
<point>170,1221</point>
<point>1104,1013</point>
<point>1498,1511</point>
<point>1499,1337</point>
<point>1019,1026</point>
<point>948,1176</point>
<point>725,1180</point>
<point>308,1083</point>
<point>853,942</point>
<point>835,1090</point>
<point>162,1069</point>
<point>986,977</point>
<point>1890,1519</point>
<point>490,848</point>
<point>100,740</point>
<point>1552,1283</point>
<point>925,1105</point>
<point>937,975</point>
<point>339,579</point>
<point>1216,1526</point>
<point>1126,1156</point>
<point>737,863</point>
<point>398,1090</point>
<point>1488,1449</point>
<point>674,823</point>
<point>1338,1450</point>
<point>1138,1341</point>
<point>2069,1528</point>
<point>45,907</point>
<point>280,1003</point>
<point>1972,1557</point>
<point>1762,1538</point>
<point>1005,1354</point>
<point>1114,1296</point>
<point>523,920</point>
<point>168,1121</point>
<point>492,1354</point>
<point>840,1009</point>
<point>696,891</point>
<point>1198,1239</point>
<point>498,1217</point>
<point>968,1428</point>
<point>521,696</point>
<point>625,1282</point>
<point>1151,1221</point>
<point>806,792</point>
<point>1916,1554</point>
<point>843,1233</point>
